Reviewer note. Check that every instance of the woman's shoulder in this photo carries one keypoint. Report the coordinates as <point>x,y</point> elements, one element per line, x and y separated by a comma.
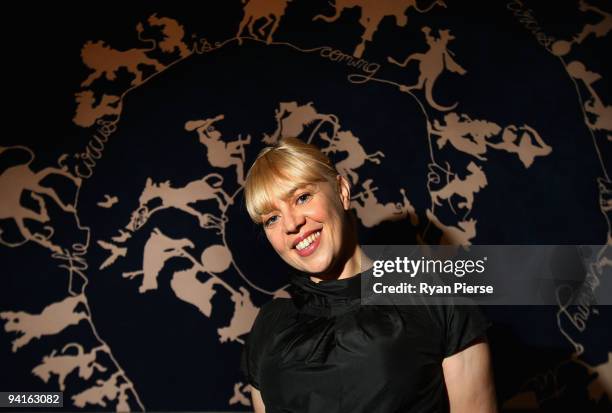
<point>277,307</point>
<point>267,320</point>
<point>272,312</point>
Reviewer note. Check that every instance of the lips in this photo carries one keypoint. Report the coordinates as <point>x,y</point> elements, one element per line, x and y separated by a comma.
<point>304,236</point>
<point>311,248</point>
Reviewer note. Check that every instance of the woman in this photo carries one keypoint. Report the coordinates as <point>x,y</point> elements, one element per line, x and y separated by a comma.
<point>321,350</point>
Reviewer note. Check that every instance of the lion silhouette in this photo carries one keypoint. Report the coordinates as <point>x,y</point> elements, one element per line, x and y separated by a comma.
<point>106,61</point>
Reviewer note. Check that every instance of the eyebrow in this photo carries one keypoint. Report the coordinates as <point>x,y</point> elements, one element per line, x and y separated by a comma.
<point>291,191</point>
<point>288,194</point>
<point>296,188</point>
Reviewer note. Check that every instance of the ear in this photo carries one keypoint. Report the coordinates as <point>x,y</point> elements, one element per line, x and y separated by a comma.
<point>344,190</point>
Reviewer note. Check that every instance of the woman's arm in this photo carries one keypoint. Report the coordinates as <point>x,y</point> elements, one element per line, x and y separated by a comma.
<point>469,380</point>
<point>258,404</point>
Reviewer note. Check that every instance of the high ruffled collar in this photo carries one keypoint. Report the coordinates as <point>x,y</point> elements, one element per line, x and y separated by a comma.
<point>328,297</point>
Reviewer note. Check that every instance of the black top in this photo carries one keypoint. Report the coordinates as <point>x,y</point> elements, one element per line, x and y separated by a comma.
<point>322,351</point>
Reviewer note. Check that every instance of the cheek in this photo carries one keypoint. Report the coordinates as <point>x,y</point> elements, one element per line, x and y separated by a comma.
<point>334,224</point>
<point>336,215</point>
<point>275,241</point>
<point>324,211</point>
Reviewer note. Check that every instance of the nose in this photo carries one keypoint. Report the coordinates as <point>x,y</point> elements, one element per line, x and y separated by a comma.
<point>293,220</point>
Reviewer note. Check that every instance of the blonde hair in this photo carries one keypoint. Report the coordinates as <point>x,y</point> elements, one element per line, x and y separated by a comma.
<point>280,169</point>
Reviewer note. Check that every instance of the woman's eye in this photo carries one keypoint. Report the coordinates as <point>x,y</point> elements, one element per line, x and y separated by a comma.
<point>270,221</point>
<point>303,198</point>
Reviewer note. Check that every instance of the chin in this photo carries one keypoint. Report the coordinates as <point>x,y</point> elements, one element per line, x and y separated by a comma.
<point>317,267</point>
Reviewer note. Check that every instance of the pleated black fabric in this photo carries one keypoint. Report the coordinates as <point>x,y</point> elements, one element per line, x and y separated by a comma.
<point>323,351</point>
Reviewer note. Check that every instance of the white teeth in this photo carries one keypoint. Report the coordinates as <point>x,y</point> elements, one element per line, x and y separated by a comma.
<point>307,241</point>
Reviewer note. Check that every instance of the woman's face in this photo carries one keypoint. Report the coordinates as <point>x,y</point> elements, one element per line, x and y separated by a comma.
<point>308,229</point>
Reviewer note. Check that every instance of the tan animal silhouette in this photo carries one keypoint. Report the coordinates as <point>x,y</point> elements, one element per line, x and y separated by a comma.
<point>600,29</point>
<point>603,115</point>
<point>372,13</point>
<point>345,141</point>
<point>255,10</point>
<point>467,135</point>
<point>105,61</point>
<point>219,153</point>
<point>605,203</point>
<point>54,318</point>
<point>88,112</point>
<point>604,261</point>
<point>105,390</point>
<point>115,252</point>
<point>243,318</point>
<point>15,182</point>
<point>188,288</point>
<point>459,236</point>
<point>180,198</point>
<point>292,118</point>
<point>594,104</point>
<point>158,249</point>
<point>431,65</point>
<point>122,237</point>
<point>371,213</point>
<point>63,364</point>
<point>604,254</point>
<point>186,285</point>
<point>599,389</point>
<point>173,35</point>
<point>122,399</point>
<point>239,396</point>
<point>521,141</point>
<point>108,201</point>
<point>465,188</point>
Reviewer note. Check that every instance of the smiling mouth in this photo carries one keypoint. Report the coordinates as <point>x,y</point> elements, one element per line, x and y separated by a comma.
<point>308,245</point>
